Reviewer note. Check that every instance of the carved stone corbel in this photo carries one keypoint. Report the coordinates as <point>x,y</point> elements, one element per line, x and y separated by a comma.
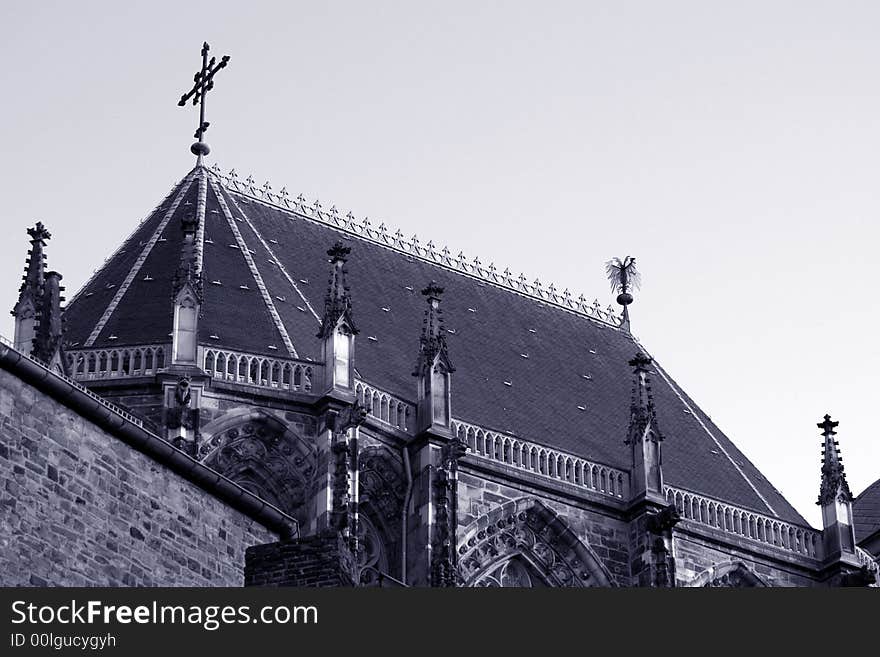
<point>181,419</point>
<point>660,527</point>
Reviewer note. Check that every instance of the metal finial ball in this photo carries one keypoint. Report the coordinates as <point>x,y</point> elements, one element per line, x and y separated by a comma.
<point>200,148</point>
<point>624,298</point>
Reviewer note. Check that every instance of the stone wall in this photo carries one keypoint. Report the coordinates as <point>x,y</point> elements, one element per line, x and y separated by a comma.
<point>79,507</point>
<point>603,533</point>
<point>695,553</point>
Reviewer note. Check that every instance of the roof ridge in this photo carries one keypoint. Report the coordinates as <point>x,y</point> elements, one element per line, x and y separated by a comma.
<point>412,248</point>
<point>868,488</point>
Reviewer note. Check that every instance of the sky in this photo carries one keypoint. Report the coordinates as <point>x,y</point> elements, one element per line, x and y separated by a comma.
<point>731,147</point>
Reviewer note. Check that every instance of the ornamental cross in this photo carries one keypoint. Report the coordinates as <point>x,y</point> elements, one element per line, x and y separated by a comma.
<point>204,82</point>
<point>828,425</point>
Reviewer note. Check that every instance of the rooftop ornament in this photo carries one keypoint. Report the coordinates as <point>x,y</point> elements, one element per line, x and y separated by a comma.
<point>623,276</point>
<point>203,83</point>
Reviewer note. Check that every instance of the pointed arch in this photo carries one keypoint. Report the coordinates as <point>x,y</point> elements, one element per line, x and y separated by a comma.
<point>730,574</point>
<point>381,491</point>
<point>528,531</point>
<point>259,452</point>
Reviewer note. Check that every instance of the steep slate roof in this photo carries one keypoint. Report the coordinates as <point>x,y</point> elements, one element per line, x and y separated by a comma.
<point>524,366</point>
<point>866,511</point>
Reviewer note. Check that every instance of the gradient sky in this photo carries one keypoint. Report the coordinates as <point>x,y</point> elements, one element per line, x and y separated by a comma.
<point>731,147</point>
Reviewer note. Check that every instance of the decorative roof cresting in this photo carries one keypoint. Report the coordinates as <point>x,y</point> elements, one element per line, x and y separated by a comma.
<point>337,302</point>
<point>413,247</point>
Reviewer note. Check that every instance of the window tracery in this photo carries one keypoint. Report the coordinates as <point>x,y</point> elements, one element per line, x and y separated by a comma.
<point>538,542</point>
<point>260,454</point>
<point>516,572</point>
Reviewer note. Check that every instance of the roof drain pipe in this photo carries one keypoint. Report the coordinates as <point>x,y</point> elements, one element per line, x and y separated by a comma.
<point>405,512</point>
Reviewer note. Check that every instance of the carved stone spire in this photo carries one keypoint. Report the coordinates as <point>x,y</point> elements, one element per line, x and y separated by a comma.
<point>31,290</point>
<point>188,288</point>
<point>643,415</point>
<point>834,486</point>
<point>835,498</point>
<point>48,332</point>
<point>186,269</point>
<point>337,302</point>
<point>653,520</point>
<point>35,266</point>
<point>432,345</point>
<point>433,367</point>
<point>337,326</point>
<point>644,435</point>
<point>437,451</point>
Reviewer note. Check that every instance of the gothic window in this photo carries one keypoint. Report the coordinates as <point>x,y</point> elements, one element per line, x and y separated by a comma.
<point>342,349</point>
<point>731,574</point>
<point>372,559</point>
<point>382,488</point>
<point>259,453</point>
<point>515,572</point>
<point>185,320</point>
<point>439,390</point>
<point>524,543</point>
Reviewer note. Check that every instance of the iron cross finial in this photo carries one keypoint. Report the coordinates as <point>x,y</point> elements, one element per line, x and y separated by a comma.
<point>203,83</point>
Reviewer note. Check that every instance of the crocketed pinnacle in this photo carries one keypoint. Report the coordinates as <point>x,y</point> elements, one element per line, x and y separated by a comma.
<point>337,302</point>
<point>643,416</point>
<point>187,269</point>
<point>34,269</point>
<point>432,344</point>
<point>49,330</point>
<point>834,486</point>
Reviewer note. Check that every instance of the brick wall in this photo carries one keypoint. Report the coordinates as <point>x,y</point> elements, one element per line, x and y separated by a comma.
<point>78,507</point>
<point>314,561</point>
